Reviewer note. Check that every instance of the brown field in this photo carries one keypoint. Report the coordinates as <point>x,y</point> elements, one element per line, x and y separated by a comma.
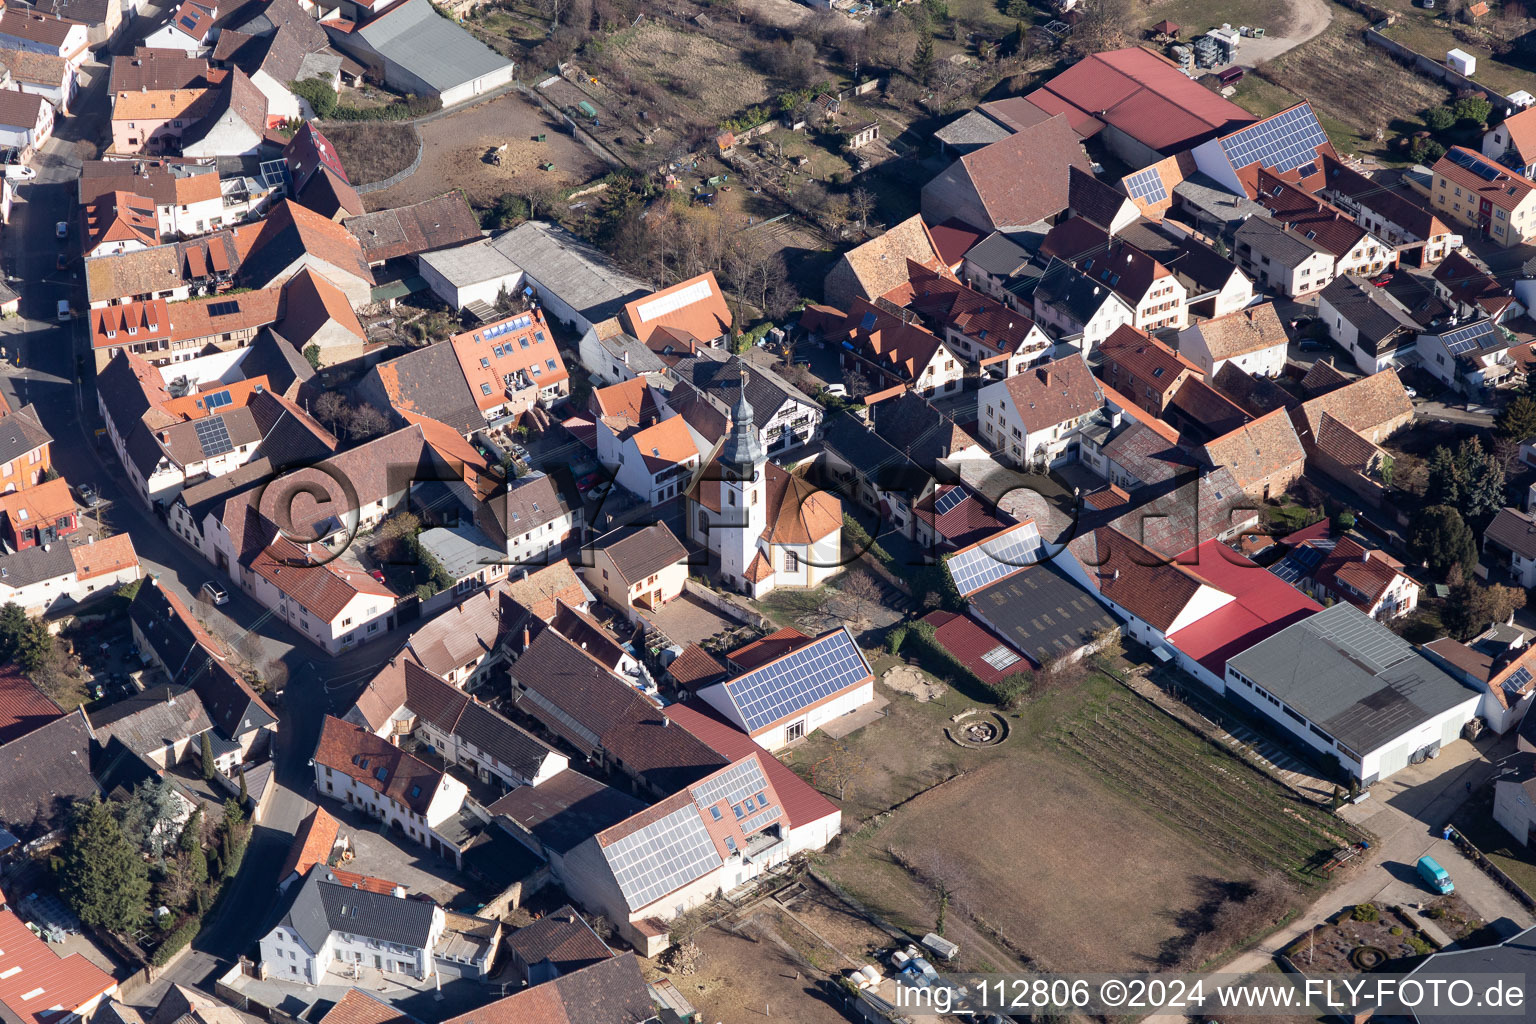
<point>454,148</point>
<point>372,152</point>
<point>1086,842</point>
<point>749,977</point>
<point>709,79</point>
<point>1329,71</point>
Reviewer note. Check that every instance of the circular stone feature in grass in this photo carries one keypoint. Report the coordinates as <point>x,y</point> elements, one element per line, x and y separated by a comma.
<point>1367,957</point>
<point>978,729</point>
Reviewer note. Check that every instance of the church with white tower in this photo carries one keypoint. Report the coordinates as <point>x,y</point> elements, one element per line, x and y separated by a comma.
<point>770,528</point>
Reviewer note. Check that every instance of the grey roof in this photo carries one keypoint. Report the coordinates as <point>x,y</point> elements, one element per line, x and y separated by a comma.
<point>279,360</point>
<point>465,265</point>
<point>92,12</point>
<point>1373,314</point>
<point>20,433</point>
<point>1513,530</point>
<point>1270,238</point>
<point>564,810</point>
<point>971,130</point>
<point>146,722</point>
<point>1181,517</point>
<point>1514,956</point>
<point>35,564</point>
<point>429,46</point>
<point>322,906</point>
<point>1204,195</point>
<point>533,501</point>
<point>871,455</point>
<point>584,277</point>
<point>717,374</point>
<point>429,381</point>
<point>633,353</point>
<point>1071,291</point>
<point>997,256</point>
<point>1352,677</point>
<point>1041,612</point>
<point>462,549</point>
<point>41,773</point>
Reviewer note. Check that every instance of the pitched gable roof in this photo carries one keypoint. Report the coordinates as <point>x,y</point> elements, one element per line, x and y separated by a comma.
<point>1024,178</point>
<point>1054,393</point>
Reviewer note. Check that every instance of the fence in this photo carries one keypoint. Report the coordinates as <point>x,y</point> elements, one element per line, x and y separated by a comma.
<point>1431,68</point>
<point>399,176</point>
<point>601,151</point>
<point>724,605</point>
<point>1491,869</point>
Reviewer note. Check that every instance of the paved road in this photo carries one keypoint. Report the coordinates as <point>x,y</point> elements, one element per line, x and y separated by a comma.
<point>55,375</point>
<point>1309,18</point>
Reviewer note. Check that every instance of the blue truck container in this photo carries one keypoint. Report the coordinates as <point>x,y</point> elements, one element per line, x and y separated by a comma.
<point>1435,876</point>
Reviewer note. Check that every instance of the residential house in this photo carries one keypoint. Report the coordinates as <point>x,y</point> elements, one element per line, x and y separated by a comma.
<point>44,514</point>
<point>651,455</point>
<point>1512,142</point>
<point>117,222</point>
<point>25,450</point>
<point>993,262</point>
<point>1495,201</point>
<point>535,522</point>
<point>1252,339</point>
<point>1472,357</point>
<point>1354,248</point>
<point>991,335</point>
<point>161,725</point>
<point>52,578</point>
<point>54,78</point>
<point>1073,306</point>
<point>1330,681</point>
<point>512,365</point>
<point>279,45</point>
<point>406,699</point>
<point>317,179</point>
<point>155,121</point>
<point>41,774</point>
<point>329,923</point>
<point>1032,418</point>
<point>410,45</point>
<point>424,383</point>
<point>190,29</point>
<point>103,21</point>
<point>25,706</point>
<point>637,566</point>
<point>1010,184</point>
<point>355,766</point>
<point>291,238</point>
<point>880,342</point>
<point>783,417</point>
<point>1157,296</point>
<point>1367,323</point>
<point>1498,663</point>
<point>874,268</point>
<point>556,944</point>
<point>1471,291</point>
<point>38,32</point>
<point>692,309</point>
<point>1291,143</point>
<point>164,334</point>
<point>1281,258</point>
<point>187,197</point>
<point>1342,568</point>
<point>612,991</point>
<point>1394,214</point>
<point>172,272</point>
<point>26,120</point>
<point>1143,369</point>
<point>1511,540</point>
<point>1213,284</point>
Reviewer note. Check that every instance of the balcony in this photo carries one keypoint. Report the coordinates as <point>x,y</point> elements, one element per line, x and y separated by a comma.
<point>759,846</point>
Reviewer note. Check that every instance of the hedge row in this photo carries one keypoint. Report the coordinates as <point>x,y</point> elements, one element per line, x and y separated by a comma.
<point>177,941</point>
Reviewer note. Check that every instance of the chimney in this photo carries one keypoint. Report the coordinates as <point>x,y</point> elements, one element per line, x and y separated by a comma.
<point>399,892</point>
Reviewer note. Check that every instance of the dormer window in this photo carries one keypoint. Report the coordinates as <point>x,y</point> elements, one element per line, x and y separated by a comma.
<point>132,331</point>
<point>111,334</point>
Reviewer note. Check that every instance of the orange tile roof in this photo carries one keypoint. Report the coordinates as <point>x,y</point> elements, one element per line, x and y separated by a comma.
<point>377,764</point>
<point>147,321</point>
<point>695,306</point>
<point>163,104</point>
<point>120,217</point>
<point>312,843</point>
<point>630,399</point>
<point>665,443</point>
<point>46,502</point>
<point>1506,189</point>
<point>520,346</point>
<point>104,557</point>
<point>36,984</point>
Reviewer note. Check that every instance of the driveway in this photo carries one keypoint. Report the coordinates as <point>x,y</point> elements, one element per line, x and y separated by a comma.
<point>1309,18</point>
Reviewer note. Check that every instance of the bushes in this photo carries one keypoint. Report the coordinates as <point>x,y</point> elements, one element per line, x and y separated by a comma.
<point>1366,913</point>
<point>400,110</point>
<point>177,941</point>
<point>895,638</point>
<point>860,539</point>
<point>317,92</point>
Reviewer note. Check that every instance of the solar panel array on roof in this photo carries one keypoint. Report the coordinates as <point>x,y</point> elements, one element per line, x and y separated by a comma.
<point>212,435</point>
<point>1298,564</point>
<point>217,400</point>
<point>223,308</point>
<point>1283,143</point>
<point>762,820</point>
<point>992,559</point>
<point>733,785</point>
<point>662,857</point>
<point>1147,186</point>
<point>187,22</point>
<point>1482,168</point>
<point>948,500</point>
<point>798,680</point>
<point>497,330</point>
<point>1466,339</point>
<point>1363,639</point>
<point>1517,681</point>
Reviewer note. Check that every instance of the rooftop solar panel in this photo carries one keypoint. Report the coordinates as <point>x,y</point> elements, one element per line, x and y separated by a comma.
<point>187,22</point>
<point>1283,143</point>
<point>212,435</point>
<point>948,500</point>
<point>1146,185</point>
<point>1362,638</point>
<point>992,559</point>
<point>217,400</point>
<point>795,682</point>
<point>733,785</point>
<point>762,820</point>
<point>661,857</point>
<point>1466,339</point>
<point>1482,168</point>
<point>223,308</point>
<point>1517,681</point>
<point>497,330</point>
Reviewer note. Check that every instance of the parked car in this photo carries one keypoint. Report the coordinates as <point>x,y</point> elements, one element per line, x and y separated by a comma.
<point>1383,279</point>
<point>1312,345</point>
<point>89,497</point>
<point>16,171</point>
<point>1435,876</point>
<point>839,390</point>
<point>215,593</point>
<point>63,309</point>
<point>61,229</point>
<point>1410,392</point>
<point>377,574</point>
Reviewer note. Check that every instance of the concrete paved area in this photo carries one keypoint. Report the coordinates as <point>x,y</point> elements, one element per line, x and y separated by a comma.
<point>853,721</point>
<point>396,858</point>
<point>688,620</point>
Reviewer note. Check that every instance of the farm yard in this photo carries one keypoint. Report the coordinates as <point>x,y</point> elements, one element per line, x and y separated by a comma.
<point>454,149</point>
<point>1085,771</point>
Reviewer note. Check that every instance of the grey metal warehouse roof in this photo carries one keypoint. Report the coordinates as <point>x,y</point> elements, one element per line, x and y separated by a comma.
<point>431,47</point>
<point>470,264</point>
<point>584,277</point>
<point>1352,677</point>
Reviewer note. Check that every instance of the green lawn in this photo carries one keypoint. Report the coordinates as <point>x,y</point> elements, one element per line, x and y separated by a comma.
<point>1432,36</point>
<point>1196,17</point>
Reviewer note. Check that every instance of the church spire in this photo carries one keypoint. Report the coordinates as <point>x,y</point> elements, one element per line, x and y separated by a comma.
<point>742,454</point>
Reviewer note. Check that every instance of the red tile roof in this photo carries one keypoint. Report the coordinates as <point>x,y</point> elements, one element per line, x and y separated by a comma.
<point>1139,581</point>
<point>768,648</point>
<point>953,239</point>
<point>23,707</point>
<point>695,306</point>
<point>376,763</point>
<point>1504,188</point>
<point>312,843</point>
<point>969,641</point>
<point>36,984</point>
<point>1265,604</point>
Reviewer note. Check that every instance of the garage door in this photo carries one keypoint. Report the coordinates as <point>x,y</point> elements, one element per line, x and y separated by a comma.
<point>1394,760</point>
